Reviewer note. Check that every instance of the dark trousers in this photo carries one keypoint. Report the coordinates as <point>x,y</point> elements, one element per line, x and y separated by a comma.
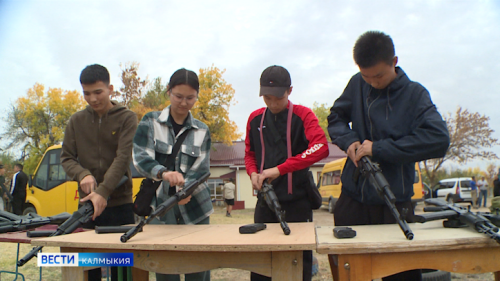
<point>111,216</point>
<point>295,211</point>
<point>18,204</point>
<point>348,211</point>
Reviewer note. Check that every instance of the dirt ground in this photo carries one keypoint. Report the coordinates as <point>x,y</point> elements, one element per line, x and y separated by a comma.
<point>323,217</point>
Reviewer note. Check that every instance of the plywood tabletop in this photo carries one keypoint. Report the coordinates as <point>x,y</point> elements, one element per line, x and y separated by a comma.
<point>389,238</point>
<point>217,238</point>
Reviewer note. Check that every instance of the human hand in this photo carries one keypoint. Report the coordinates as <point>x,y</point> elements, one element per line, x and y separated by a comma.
<point>88,184</point>
<point>98,201</point>
<point>351,151</point>
<point>365,149</point>
<point>173,177</point>
<point>254,177</point>
<point>185,200</point>
<point>269,174</point>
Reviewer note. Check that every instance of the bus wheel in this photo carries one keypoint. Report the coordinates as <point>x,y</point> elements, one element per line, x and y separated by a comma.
<point>28,210</point>
<point>330,206</point>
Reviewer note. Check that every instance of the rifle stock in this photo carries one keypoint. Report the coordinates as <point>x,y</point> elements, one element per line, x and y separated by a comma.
<point>164,207</point>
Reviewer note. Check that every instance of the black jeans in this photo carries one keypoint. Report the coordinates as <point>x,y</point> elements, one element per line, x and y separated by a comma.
<point>111,216</point>
<point>295,211</point>
<point>348,211</point>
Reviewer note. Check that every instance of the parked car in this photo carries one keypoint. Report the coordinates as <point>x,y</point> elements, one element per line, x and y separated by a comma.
<point>453,190</point>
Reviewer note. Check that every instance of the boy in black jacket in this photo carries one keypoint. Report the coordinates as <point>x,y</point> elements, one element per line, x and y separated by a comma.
<point>394,122</point>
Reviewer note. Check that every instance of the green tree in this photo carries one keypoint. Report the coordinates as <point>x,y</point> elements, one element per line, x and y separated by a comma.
<point>322,112</point>
<point>156,96</point>
<point>38,120</point>
<point>470,138</point>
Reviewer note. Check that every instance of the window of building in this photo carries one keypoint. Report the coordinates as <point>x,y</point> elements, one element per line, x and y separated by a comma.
<point>215,189</point>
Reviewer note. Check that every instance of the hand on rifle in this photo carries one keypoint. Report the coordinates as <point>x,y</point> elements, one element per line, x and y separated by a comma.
<point>98,201</point>
<point>176,179</point>
<point>269,174</point>
<point>357,150</point>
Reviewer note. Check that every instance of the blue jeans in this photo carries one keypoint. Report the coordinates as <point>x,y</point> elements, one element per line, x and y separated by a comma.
<point>173,216</point>
<point>482,193</point>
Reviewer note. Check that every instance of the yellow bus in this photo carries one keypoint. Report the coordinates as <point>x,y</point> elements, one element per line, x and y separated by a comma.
<point>50,192</point>
<point>330,186</point>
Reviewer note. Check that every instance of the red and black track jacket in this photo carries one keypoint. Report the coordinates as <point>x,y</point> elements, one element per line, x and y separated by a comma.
<point>309,145</point>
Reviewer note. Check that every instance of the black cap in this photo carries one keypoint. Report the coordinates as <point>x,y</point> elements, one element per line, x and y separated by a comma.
<point>275,81</point>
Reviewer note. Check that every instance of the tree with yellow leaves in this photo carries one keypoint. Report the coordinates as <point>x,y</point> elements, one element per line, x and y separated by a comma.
<point>212,108</point>
<point>38,120</point>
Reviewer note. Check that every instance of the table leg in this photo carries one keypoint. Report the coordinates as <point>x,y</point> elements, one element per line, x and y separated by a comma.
<point>497,275</point>
<point>334,266</point>
<point>74,273</point>
<point>139,274</point>
<point>287,265</point>
<point>351,267</point>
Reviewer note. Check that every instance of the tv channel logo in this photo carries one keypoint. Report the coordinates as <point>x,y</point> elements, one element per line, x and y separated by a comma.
<point>85,259</point>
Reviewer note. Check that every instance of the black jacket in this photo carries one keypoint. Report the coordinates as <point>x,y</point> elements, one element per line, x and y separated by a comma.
<point>20,181</point>
<point>308,141</point>
<point>403,124</point>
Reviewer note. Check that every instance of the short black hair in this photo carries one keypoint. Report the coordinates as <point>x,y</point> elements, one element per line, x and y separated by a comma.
<point>20,166</point>
<point>93,74</point>
<point>184,77</point>
<point>373,47</point>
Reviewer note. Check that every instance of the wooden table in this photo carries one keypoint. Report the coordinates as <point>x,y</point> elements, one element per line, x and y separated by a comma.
<point>382,250</point>
<point>176,249</point>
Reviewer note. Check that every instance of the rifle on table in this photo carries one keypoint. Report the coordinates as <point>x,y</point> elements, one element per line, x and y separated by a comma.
<point>373,173</point>
<point>30,221</point>
<point>273,204</point>
<point>82,215</point>
<point>457,216</point>
<point>164,207</point>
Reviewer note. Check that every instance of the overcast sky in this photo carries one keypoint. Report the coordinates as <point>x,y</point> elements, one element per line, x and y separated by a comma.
<point>451,47</point>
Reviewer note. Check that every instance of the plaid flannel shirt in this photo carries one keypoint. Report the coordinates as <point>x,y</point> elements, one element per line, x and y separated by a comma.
<point>154,140</point>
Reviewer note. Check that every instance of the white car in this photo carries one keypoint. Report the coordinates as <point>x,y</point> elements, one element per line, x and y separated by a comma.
<point>454,190</point>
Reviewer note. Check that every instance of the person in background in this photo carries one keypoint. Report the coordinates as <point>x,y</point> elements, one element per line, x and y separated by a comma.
<point>473,192</point>
<point>482,192</point>
<point>496,186</point>
<point>228,191</point>
<point>18,189</point>
<point>3,190</point>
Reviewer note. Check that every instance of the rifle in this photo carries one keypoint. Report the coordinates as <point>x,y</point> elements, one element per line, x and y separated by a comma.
<point>79,217</point>
<point>31,221</point>
<point>374,174</point>
<point>457,216</point>
<point>273,204</point>
<point>164,207</point>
